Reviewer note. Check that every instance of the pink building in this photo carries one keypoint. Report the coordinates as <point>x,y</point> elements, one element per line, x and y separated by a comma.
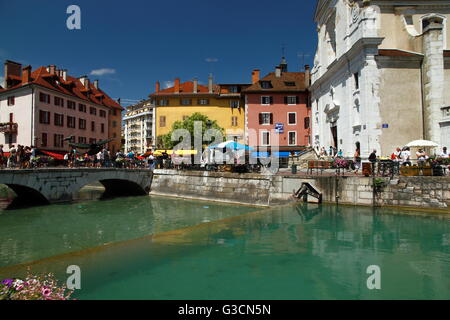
<point>45,106</point>
<point>278,109</point>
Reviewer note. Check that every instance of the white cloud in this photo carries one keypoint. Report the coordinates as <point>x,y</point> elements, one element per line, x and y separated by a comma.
<point>211,59</point>
<point>167,84</point>
<point>102,72</point>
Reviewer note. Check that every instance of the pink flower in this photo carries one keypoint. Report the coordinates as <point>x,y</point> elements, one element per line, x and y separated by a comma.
<point>46,292</point>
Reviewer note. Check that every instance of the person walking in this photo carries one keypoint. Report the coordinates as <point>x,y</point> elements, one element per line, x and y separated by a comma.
<point>444,153</point>
<point>12,157</point>
<point>357,159</point>
<point>2,157</point>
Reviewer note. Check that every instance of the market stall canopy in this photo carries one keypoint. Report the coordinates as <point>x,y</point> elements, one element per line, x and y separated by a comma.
<point>177,152</point>
<point>422,144</point>
<point>268,155</point>
<point>230,145</point>
<point>54,155</point>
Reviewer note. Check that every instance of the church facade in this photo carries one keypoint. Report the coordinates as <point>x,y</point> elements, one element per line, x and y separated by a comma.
<point>381,75</point>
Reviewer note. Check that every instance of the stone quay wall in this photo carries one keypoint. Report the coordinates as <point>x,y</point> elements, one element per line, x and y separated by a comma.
<point>266,190</point>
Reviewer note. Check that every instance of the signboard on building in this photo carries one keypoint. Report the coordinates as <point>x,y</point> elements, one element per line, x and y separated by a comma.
<point>279,128</point>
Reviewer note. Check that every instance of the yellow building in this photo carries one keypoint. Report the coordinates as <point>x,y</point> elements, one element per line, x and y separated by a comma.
<point>222,103</point>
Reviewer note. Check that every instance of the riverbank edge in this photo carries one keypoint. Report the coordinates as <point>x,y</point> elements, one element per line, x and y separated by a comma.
<point>425,194</point>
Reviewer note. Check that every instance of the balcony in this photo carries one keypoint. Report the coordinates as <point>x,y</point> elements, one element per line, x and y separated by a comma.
<point>8,127</point>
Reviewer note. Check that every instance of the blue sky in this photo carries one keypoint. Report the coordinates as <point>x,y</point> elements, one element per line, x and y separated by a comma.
<point>139,42</point>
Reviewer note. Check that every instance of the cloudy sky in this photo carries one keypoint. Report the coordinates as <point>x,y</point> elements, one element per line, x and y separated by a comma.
<point>130,45</point>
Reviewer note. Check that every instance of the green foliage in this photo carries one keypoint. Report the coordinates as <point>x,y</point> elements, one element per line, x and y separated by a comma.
<point>379,184</point>
<point>165,141</point>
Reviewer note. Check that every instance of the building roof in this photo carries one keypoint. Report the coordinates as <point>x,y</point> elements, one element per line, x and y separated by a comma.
<point>186,88</point>
<point>398,53</point>
<point>280,84</point>
<point>72,87</point>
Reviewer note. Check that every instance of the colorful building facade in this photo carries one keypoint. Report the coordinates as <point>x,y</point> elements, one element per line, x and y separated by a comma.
<point>222,103</point>
<point>45,106</point>
<point>277,109</point>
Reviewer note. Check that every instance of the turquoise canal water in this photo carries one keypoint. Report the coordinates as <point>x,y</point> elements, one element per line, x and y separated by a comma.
<point>165,249</point>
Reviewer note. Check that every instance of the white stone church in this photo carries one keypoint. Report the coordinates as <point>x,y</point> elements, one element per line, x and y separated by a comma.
<point>381,75</point>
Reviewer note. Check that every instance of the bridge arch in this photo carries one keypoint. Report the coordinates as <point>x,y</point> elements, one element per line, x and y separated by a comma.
<point>26,196</point>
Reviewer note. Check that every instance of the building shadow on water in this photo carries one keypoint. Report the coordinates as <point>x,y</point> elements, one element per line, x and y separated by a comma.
<point>10,201</point>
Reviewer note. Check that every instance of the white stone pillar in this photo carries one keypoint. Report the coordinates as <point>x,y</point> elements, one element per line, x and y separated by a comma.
<point>433,80</point>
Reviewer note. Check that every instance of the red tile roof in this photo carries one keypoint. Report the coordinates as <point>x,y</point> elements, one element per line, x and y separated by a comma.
<point>279,83</point>
<point>72,87</point>
<point>186,88</point>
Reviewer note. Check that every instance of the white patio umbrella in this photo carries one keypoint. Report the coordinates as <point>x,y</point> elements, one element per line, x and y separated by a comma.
<point>422,144</point>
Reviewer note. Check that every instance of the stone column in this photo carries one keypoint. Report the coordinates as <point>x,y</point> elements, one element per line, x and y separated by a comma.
<point>433,80</point>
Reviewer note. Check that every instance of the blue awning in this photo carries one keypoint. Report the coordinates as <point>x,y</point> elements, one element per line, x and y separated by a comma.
<point>267,155</point>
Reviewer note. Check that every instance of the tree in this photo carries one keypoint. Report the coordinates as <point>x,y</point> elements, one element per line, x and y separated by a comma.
<point>166,140</point>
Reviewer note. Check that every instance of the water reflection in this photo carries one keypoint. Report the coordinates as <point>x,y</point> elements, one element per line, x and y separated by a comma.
<point>294,252</point>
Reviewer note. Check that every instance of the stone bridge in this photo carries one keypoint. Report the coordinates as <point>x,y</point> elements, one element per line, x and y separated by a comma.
<point>44,186</point>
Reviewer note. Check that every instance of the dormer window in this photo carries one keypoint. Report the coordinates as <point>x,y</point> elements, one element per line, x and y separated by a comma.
<point>266,84</point>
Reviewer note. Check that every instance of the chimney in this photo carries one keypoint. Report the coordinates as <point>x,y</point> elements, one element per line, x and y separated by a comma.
<point>177,85</point>
<point>52,69</point>
<point>157,87</point>
<point>64,74</point>
<point>255,76</point>
<point>96,84</point>
<point>307,76</point>
<point>26,75</point>
<point>195,85</point>
<point>12,69</point>
<point>210,83</point>
<point>87,83</point>
<point>83,80</point>
<point>278,72</point>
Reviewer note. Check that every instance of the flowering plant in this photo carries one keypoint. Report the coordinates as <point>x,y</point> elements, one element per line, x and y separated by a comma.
<point>34,288</point>
<point>342,163</point>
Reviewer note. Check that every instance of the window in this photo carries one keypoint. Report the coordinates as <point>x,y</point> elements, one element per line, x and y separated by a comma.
<point>58,140</point>
<point>234,104</point>
<point>234,121</point>
<point>307,123</point>
<point>45,98</point>
<point>292,138</point>
<point>71,104</point>
<point>265,138</point>
<point>114,124</point>
<point>266,84</point>
<point>59,102</point>
<point>185,102</point>
<point>292,118</point>
<point>233,89</point>
<point>163,102</point>
<point>289,84</point>
<point>102,113</point>
<point>44,117</point>
<point>81,107</point>
<point>92,125</point>
<point>265,100</point>
<point>162,121</point>
<point>82,124</point>
<point>203,102</point>
<point>114,112</point>
<point>92,140</point>
<point>291,100</point>
<point>82,140</point>
<point>356,78</point>
<point>11,101</point>
<point>265,118</point>
<point>93,111</point>
<point>70,122</point>
<point>102,128</point>
<point>44,140</point>
<point>59,120</point>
